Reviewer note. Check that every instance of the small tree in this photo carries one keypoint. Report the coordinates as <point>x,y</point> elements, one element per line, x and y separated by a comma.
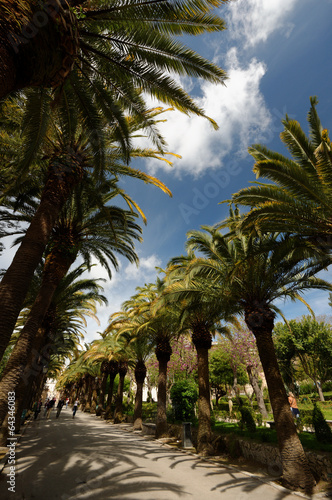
<point>184,395</point>
<point>322,429</point>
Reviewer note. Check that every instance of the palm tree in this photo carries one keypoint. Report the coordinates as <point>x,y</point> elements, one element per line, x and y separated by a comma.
<point>200,316</point>
<point>160,328</point>
<point>121,46</point>
<point>60,333</point>
<point>71,156</point>
<point>252,274</point>
<point>108,351</point>
<point>131,329</point>
<point>81,229</point>
<point>299,199</point>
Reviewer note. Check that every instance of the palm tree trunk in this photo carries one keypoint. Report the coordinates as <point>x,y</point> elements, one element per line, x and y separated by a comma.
<point>101,399</point>
<point>55,269</point>
<point>16,280</point>
<point>161,421</point>
<point>94,397</point>
<point>204,409</point>
<point>258,392</point>
<point>163,354</point>
<point>88,401</point>
<point>140,374</point>
<point>113,370</point>
<point>118,412</point>
<point>296,471</point>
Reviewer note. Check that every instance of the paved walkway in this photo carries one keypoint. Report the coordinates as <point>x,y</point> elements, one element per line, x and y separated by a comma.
<point>86,458</point>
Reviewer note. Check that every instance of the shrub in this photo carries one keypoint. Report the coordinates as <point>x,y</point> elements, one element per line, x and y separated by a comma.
<point>247,420</point>
<point>322,429</point>
<point>184,395</point>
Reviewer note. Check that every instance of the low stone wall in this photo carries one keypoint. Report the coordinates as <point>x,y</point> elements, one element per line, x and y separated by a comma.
<point>267,454</point>
<point>263,453</point>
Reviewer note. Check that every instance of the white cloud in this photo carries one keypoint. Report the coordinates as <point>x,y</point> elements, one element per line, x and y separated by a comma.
<point>145,271</point>
<point>253,21</point>
<point>238,108</point>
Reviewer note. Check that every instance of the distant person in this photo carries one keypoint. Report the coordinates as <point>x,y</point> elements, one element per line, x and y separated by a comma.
<point>67,403</point>
<point>75,407</point>
<point>50,406</point>
<point>59,407</point>
<point>46,406</point>
<point>37,407</point>
<point>293,405</point>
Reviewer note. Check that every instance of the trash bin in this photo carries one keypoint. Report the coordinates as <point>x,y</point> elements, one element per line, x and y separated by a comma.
<point>186,435</point>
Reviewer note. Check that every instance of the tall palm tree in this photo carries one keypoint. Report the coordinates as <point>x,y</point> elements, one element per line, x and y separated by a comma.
<point>83,228</point>
<point>251,274</point>
<point>200,316</point>
<point>70,155</point>
<point>299,199</point>
<point>160,327</point>
<point>122,46</point>
<point>131,329</point>
<point>60,333</point>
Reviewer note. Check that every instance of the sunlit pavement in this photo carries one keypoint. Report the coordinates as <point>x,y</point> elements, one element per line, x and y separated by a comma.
<point>87,458</point>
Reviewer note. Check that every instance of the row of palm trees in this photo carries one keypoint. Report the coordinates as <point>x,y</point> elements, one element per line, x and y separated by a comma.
<point>66,141</point>
<point>244,266</point>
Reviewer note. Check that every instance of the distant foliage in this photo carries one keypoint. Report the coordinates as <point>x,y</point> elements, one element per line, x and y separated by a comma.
<point>247,419</point>
<point>322,429</point>
<point>184,395</point>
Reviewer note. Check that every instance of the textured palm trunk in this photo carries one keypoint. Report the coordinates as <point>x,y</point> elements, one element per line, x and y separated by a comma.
<point>202,340</point>
<point>102,392</point>
<point>17,279</point>
<point>296,470</point>
<point>257,390</point>
<point>163,354</point>
<point>94,398</point>
<point>26,388</point>
<point>113,370</point>
<point>140,374</point>
<point>118,412</point>
<point>56,267</point>
<point>161,421</point>
<point>204,434</point>
<point>88,401</point>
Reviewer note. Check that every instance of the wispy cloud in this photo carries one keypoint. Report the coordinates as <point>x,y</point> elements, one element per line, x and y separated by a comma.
<point>253,21</point>
<point>238,108</point>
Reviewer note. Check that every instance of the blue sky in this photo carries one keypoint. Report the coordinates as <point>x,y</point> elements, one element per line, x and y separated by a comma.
<point>277,53</point>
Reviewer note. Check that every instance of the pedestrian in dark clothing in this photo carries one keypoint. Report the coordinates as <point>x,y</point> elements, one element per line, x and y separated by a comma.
<point>50,406</point>
<point>37,408</point>
<point>59,407</point>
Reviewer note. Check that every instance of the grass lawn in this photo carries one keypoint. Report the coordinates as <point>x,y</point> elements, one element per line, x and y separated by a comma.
<point>265,435</point>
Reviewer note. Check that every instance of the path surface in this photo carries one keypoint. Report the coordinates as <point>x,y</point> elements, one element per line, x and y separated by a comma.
<point>86,458</point>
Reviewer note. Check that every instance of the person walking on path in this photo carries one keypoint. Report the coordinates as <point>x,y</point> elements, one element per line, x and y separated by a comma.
<point>59,407</point>
<point>75,407</point>
<point>293,405</point>
<point>50,406</point>
<point>37,408</point>
<point>67,403</point>
<point>46,406</point>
